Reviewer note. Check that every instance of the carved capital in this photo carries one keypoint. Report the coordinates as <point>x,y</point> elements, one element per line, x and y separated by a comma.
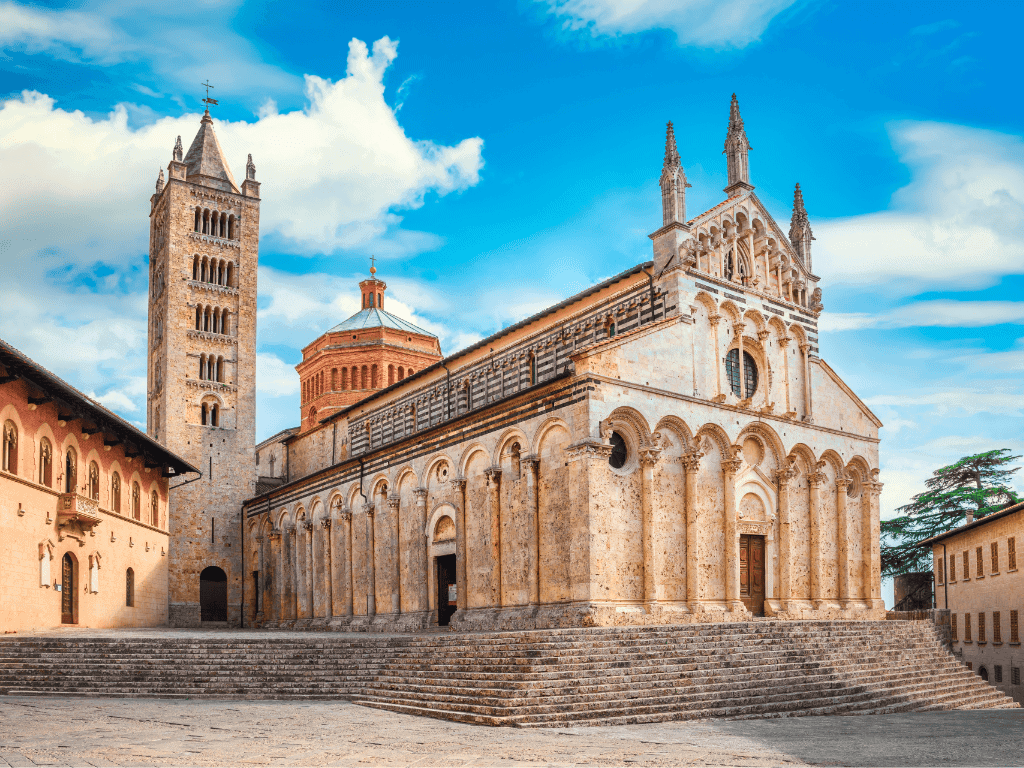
<point>458,483</point>
<point>649,456</point>
<point>737,328</point>
<point>816,479</point>
<point>842,483</point>
<point>532,459</point>
<point>368,509</point>
<point>784,341</point>
<point>275,535</point>
<point>762,336</point>
<point>588,447</point>
<point>420,494</point>
<point>346,515</point>
<point>307,525</point>
<point>288,530</point>
<point>714,319</point>
<point>731,466</point>
<point>691,461</point>
<point>394,501</point>
<point>259,539</point>
<point>326,523</point>
<point>875,489</point>
<point>805,347</point>
<point>787,473</point>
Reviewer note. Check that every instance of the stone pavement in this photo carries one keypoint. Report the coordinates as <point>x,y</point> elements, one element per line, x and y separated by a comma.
<point>136,732</point>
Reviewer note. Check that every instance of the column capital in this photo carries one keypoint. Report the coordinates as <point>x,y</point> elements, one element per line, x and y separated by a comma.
<point>458,483</point>
<point>875,488</point>
<point>394,501</point>
<point>762,336</point>
<point>346,515</point>
<point>738,328</point>
<point>588,446</point>
<point>732,465</point>
<point>420,494</point>
<point>804,347</point>
<point>784,341</point>
<point>691,461</point>
<point>288,530</point>
<point>714,319</point>
<point>842,483</point>
<point>259,539</point>
<point>784,476</point>
<point>275,534</point>
<point>307,524</point>
<point>649,456</point>
<point>817,479</point>
<point>368,509</point>
<point>530,458</point>
<point>326,523</point>
<point>493,475</point>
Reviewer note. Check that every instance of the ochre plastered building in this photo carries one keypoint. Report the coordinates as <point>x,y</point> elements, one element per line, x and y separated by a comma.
<point>83,508</point>
<point>979,579</point>
<point>203,256</point>
<point>666,446</point>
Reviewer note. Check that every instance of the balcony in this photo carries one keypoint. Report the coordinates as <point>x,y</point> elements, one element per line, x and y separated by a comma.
<point>73,507</point>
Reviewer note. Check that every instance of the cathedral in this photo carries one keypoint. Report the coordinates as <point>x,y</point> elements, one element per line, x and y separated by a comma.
<point>665,447</point>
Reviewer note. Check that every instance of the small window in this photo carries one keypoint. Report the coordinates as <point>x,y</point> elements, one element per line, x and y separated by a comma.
<point>94,481</point>
<point>115,493</point>
<point>1015,675</point>
<point>997,631</point>
<point>619,451</point>
<point>952,629</point>
<point>970,666</point>
<point>967,567</point>
<point>732,372</point>
<point>939,573</point>
<point>533,369</point>
<point>10,449</point>
<point>70,471</point>
<point>995,557</point>
<point>1011,554</point>
<point>136,502</point>
<point>952,567</point>
<point>45,463</point>
<point>983,673</point>
<point>1014,628</point>
<point>515,454</point>
<point>997,669</point>
<point>154,509</point>
<point>129,588</point>
<point>967,627</point>
<point>981,628</point>
<point>980,563</point>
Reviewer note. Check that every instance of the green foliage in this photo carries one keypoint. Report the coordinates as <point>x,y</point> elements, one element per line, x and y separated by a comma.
<point>975,483</point>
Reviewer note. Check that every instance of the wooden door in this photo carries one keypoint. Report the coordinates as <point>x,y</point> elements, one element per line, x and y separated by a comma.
<point>447,599</point>
<point>752,573</point>
<point>67,590</point>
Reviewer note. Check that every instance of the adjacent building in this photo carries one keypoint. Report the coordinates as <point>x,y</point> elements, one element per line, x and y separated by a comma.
<point>977,578</point>
<point>666,446</point>
<point>83,508</point>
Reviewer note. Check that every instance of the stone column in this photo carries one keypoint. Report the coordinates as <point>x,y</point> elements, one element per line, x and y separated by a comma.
<point>394,504</point>
<point>532,464</point>
<point>422,556</point>
<point>304,569</point>
<point>277,584</point>
<point>842,541</point>
<point>462,593</point>
<point>816,479</point>
<point>716,361</point>
<point>805,350</point>
<point>347,584</point>
<point>371,562</point>
<point>588,458</point>
<point>288,573</point>
<point>737,328</point>
<point>493,475</point>
<point>691,463</point>
<point>872,554</point>
<point>328,568</point>
<point>784,343</point>
<point>649,456</point>
<point>261,583</point>
<point>732,538</point>
<point>784,477</point>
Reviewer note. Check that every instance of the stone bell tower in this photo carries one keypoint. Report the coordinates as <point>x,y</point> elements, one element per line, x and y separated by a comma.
<point>203,254</point>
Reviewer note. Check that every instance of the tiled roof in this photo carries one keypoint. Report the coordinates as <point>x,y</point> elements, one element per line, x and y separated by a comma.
<point>978,522</point>
<point>378,318</point>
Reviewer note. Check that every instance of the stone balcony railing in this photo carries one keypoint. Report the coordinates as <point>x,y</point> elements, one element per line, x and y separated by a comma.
<point>75,507</point>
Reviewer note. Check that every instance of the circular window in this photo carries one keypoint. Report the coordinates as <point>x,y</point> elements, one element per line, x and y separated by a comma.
<point>619,452</point>
<point>732,372</point>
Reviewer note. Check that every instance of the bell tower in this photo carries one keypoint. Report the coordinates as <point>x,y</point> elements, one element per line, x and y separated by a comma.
<point>203,255</point>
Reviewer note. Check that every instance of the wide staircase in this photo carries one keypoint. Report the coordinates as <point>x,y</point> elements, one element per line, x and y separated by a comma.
<point>596,676</point>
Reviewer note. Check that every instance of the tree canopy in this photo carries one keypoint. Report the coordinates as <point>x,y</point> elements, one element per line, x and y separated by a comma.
<point>976,484</point>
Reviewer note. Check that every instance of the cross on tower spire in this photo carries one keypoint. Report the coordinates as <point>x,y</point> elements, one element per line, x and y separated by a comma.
<point>373,268</point>
<point>208,101</point>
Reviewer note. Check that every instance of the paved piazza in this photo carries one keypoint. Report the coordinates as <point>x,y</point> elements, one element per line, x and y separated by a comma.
<point>136,732</point>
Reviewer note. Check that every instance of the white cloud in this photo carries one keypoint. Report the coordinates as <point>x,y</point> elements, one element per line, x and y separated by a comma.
<point>957,224</point>
<point>938,313</point>
<point>994,398</point>
<point>274,377</point>
<point>719,24</point>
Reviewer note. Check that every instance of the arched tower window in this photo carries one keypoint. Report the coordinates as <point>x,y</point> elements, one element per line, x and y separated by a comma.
<point>231,227</point>
<point>344,378</point>
<point>401,372</point>
<point>115,493</point>
<point>10,450</point>
<point>129,588</point>
<point>229,278</point>
<point>533,369</point>
<point>154,509</point>
<point>334,379</point>
<point>391,375</point>
<point>202,414</point>
<point>215,415</point>
<point>220,369</point>
<point>195,267</point>
<point>374,376</point>
<point>732,371</point>
<point>515,454</point>
<point>70,471</point>
<point>45,463</point>
<point>136,501</point>
<point>199,219</point>
<point>364,378</point>
<point>94,481</point>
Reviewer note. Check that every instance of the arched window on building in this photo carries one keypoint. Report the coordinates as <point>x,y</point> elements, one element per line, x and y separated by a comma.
<point>154,509</point>
<point>225,322</point>
<point>215,415</point>
<point>70,471</point>
<point>10,449</point>
<point>344,378</point>
<point>232,235</point>
<point>533,369</point>
<point>220,369</point>
<point>364,377</point>
<point>732,372</point>
<point>410,372</point>
<point>115,493</point>
<point>355,377</point>
<point>129,588</point>
<point>202,414</point>
<point>391,374</point>
<point>136,501</point>
<point>334,379</point>
<point>374,376</point>
<point>94,481</point>
<point>312,415</point>
<point>195,267</point>
<point>45,463</point>
<point>401,372</point>
<point>199,219</point>
<point>199,317</point>
<point>515,454</point>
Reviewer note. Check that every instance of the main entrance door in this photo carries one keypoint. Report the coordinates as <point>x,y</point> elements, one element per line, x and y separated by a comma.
<point>447,599</point>
<point>752,573</point>
<point>67,590</point>
<point>213,594</point>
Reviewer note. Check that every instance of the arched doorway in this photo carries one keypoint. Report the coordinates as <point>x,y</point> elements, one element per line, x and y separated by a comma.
<point>213,594</point>
<point>441,552</point>
<point>67,590</point>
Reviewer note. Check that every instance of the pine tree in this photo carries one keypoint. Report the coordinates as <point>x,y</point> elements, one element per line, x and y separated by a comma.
<point>975,484</point>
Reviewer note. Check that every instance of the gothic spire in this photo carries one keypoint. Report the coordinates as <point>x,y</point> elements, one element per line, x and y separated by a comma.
<point>736,148</point>
<point>673,183</point>
<point>800,234</point>
<point>160,182</point>
<point>177,150</point>
<point>205,158</point>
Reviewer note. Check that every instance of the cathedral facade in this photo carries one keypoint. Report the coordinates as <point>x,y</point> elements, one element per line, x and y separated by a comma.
<point>666,446</point>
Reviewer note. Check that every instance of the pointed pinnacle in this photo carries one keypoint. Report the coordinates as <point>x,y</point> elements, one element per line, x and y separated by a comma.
<point>735,121</point>
<point>798,200</point>
<point>671,153</point>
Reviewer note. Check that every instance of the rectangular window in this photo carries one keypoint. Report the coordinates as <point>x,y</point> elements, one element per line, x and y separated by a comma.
<point>995,557</point>
<point>1014,636</point>
<point>967,567</point>
<point>980,570</point>
<point>1015,675</point>
<point>999,673</point>
<point>952,567</point>
<point>981,629</point>
<point>952,628</point>
<point>1011,554</point>
<point>997,630</point>
<point>967,627</point>
<point>940,579</point>
<point>970,666</point>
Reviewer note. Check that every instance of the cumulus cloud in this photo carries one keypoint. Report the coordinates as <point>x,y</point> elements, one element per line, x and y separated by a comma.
<point>721,24</point>
<point>938,313</point>
<point>957,224</point>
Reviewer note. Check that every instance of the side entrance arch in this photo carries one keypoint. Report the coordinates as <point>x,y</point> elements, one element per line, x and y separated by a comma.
<point>68,593</point>
<point>441,581</point>
<point>213,594</point>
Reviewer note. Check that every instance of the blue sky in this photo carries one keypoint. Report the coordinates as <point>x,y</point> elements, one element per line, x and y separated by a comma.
<point>498,157</point>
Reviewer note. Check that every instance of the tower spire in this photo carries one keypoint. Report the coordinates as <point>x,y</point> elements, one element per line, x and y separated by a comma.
<point>800,234</point>
<point>736,148</point>
<point>673,183</point>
